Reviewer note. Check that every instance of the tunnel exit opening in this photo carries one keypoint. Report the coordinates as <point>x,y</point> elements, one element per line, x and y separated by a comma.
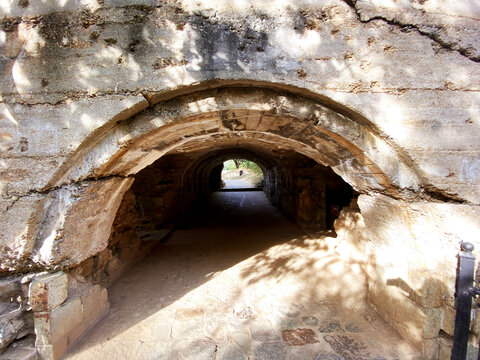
<point>237,174</point>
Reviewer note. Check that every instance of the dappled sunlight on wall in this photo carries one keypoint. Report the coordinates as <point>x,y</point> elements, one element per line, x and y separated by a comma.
<point>285,285</point>
<point>385,93</point>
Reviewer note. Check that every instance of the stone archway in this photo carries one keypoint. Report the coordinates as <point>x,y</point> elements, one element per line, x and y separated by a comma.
<point>317,125</point>
<point>77,218</point>
<point>256,117</point>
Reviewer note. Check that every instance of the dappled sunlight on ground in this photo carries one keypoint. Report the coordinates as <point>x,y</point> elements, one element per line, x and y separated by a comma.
<point>227,290</point>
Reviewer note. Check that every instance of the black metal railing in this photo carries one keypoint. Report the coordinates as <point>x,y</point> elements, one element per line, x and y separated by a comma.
<point>465,292</point>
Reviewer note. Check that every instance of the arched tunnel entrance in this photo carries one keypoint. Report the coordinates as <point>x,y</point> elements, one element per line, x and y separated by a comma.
<point>236,274</point>
<point>280,273</point>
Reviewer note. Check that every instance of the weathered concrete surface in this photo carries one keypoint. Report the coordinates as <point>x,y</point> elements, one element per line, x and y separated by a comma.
<point>52,226</point>
<point>36,140</point>
<point>399,82</point>
<point>70,218</point>
<point>71,54</point>
<point>16,238</point>
<point>73,72</point>
<point>446,24</point>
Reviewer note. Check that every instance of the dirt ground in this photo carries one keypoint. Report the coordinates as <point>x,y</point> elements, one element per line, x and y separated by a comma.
<point>242,282</point>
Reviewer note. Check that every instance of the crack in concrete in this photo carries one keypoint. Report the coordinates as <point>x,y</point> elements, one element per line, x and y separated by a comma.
<point>12,98</point>
<point>17,197</point>
<point>450,46</point>
<point>14,199</point>
<point>426,193</point>
<point>431,193</point>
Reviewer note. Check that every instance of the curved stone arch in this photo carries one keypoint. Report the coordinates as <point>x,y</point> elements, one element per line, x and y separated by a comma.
<point>252,117</point>
<point>332,138</point>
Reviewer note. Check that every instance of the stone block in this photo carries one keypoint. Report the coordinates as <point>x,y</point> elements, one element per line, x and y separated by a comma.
<point>52,352</point>
<point>43,328</point>
<point>449,320</point>
<point>51,326</point>
<point>88,322</point>
<point>427,289</point>
<point>59,328</point>
<point>472,349</point>
<point>48,291</point>
<point>65,318</point>
<point>444,348</point>
<point>430,349</point>
<point>412,321</point>
<point>432,323</point>
<point>446,345</point>
<point>409,320</point>
<point>96,298</point>
<point>475,322</point>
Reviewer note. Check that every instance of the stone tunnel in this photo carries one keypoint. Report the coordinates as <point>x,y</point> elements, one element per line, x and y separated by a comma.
<point>116,118</point>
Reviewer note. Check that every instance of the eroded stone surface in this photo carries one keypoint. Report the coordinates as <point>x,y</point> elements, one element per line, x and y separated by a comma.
<point>69,218</point>
<point>16,320</point>
<point>48,291</point>
<point>58,328</point>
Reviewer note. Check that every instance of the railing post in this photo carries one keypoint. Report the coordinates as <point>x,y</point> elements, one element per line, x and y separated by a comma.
<point>465,273</point>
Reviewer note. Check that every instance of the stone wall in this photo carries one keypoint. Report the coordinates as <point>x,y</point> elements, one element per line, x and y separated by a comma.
<point>410,266</point>
<point>63,310</point>
<point>386,94</point>
<point>318,194</point>
<point>412,252</point>
<point>16,319</point>
<point>162,200</point>
<point>124,248</point>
